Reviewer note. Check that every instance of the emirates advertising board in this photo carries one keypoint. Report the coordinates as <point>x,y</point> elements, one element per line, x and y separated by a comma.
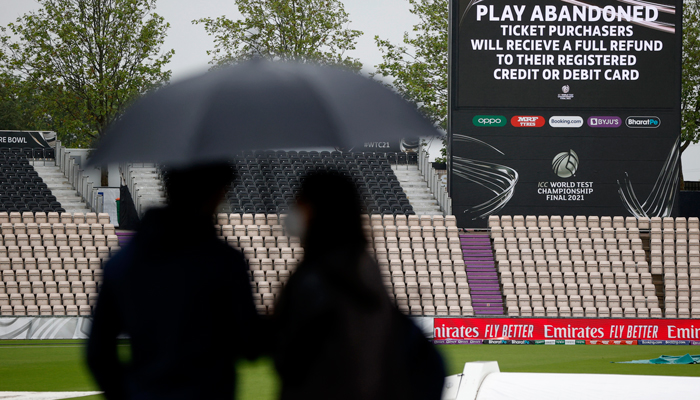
<point>564,107</point>
<point>612,330</point>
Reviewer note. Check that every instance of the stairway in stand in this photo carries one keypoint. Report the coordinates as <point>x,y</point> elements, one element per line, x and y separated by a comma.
<point>484,286</point>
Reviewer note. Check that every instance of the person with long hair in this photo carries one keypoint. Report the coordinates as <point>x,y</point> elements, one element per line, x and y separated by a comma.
<point>337,333</point>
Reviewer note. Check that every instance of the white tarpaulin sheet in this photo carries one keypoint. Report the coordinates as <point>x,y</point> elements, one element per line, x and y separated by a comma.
<point>525,386</point>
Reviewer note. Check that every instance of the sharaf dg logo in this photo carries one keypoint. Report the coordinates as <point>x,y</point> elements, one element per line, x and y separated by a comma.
<point>489,120</point>
<point>565,164</point>
<point>643,122</point>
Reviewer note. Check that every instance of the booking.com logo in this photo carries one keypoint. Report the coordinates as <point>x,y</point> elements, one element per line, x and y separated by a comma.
<point>489,120</point>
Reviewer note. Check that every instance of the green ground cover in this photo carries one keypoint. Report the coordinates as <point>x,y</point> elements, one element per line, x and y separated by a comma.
<point>59,365</point>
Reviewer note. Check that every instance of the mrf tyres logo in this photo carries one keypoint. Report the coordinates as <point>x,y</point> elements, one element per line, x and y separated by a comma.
<point>489,120</point>
<point>565,164</point>
<point>643,122</point>
<point>527,121</point>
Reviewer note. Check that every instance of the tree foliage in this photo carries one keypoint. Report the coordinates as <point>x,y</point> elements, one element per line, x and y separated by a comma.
<point>289,30</point>
<point>418,66</point>
<point>16,106</point>
<point>690,88</point>
<point>84,61</point>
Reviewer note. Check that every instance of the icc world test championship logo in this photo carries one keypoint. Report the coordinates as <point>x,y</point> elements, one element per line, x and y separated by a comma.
<point>565,164</point>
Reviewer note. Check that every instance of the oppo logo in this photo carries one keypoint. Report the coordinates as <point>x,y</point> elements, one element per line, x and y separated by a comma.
<point>565,122</point>
<point>527,121</point>
<point>489,120</point>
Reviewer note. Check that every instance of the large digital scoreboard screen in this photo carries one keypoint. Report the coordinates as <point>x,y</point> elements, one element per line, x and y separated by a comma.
<point>564,107</point>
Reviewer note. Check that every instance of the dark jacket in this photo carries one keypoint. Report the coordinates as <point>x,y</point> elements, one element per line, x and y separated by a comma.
<point>340,340</point>
<point>184,298</point>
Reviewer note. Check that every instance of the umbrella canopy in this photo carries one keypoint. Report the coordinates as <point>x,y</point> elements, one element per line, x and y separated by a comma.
<point>258,105</point>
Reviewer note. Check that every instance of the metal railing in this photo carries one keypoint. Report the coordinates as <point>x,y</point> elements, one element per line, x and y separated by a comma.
<point>78,179</point>
<point>144,196</point>
<point>437,187</point>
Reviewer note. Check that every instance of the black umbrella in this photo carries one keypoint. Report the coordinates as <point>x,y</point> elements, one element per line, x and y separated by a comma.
<point>258,105</point>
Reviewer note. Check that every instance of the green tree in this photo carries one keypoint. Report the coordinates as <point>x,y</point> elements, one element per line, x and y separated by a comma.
<point>289,30</point>
<point>418,66</point>
<point>690,88</point>
<point>16,107</point>
<point>84,61</point>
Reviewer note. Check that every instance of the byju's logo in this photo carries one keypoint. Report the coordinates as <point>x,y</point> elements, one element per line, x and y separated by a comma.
<point>527,121</point>
<point>643,122</point>
<point>565,122</point>
<point>489,120</point>
<point>565,164</point>
<point>604,122</point>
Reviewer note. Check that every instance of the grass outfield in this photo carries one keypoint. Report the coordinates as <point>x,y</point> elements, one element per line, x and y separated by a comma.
<point>59,366</point>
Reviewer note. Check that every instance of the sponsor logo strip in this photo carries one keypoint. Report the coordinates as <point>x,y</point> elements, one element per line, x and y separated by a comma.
<point>677,342</point>
<point>489,120</point>
<point>613,342</point>
<point>565,122</point>
<point>458,341</point>
<point>643,122</point>
<point>527,121</point>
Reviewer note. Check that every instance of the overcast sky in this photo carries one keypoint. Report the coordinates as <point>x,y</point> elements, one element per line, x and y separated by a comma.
<point>387,18</point>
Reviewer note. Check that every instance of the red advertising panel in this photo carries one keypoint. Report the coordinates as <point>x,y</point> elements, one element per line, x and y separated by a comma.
<point>527,121</point>
<point>565,329</point>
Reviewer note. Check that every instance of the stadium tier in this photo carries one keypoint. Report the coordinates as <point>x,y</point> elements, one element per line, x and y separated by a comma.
<point>525,266</point>
<point>675,253</point>
<point>22,189</point>
<point>420,259</point>
<point>266,180</point>
<point>598,266</point>
<point>51,264</point>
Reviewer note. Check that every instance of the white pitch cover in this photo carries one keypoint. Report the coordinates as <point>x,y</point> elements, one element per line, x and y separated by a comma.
<point>488,383</point>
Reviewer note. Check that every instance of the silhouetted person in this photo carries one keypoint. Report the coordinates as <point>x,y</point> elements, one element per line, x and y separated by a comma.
<point>181,295</point>
<point>338,335</point>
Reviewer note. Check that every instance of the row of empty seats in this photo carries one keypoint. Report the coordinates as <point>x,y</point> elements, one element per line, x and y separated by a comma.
<point>83,310</point>
<point>587,312</point>
<point>602,257</point>
<point>266,180</point>
<point>54,218</point>
<point>675,252</point>
<point>565,233</point>
<point>569,221</point>
<point>422,264</point>
<point>21,187</point>
<point>419,257</point>
<point>51,264</point>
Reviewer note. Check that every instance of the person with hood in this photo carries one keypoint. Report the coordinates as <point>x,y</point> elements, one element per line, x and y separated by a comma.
<point>181,295</point>
<point>337,333</point>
